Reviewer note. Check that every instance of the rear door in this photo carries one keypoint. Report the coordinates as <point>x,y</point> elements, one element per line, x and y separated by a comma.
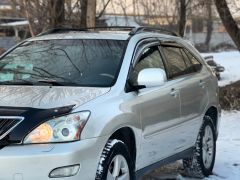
<point>185,71</point>
<point>194,95</point>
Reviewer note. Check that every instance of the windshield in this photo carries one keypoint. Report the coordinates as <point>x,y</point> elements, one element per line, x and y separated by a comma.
<point>94,63</point>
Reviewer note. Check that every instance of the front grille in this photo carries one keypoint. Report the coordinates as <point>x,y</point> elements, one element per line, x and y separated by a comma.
<point>7,124</point>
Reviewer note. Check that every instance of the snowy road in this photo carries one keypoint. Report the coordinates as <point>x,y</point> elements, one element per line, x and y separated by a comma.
<point>227,164</point>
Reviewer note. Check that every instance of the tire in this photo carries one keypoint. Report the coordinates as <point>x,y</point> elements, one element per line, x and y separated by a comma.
<point>199,166</point>
<point>115,152</point>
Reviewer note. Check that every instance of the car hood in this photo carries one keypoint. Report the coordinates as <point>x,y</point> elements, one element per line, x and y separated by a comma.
<point>45,97</point>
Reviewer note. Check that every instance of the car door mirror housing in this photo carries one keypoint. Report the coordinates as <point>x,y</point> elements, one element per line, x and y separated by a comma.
<point>151,77</point>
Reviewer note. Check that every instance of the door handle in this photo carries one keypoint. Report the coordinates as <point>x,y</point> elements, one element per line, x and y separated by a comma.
<point>202,83</point>
<point>174,92</point>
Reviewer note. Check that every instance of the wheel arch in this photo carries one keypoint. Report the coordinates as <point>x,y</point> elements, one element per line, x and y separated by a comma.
<point>126,134</point>
<point>212,111</point>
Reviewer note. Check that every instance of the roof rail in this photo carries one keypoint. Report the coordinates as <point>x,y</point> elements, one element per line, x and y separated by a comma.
<point>67,29</point>
<point>151,29</point>
<point>133,30</point>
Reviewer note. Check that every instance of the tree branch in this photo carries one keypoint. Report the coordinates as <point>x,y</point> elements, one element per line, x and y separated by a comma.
<point>104,7</point>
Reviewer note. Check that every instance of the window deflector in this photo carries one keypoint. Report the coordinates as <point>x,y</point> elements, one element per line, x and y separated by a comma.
<point>139,51</point>
<point>170,44</point>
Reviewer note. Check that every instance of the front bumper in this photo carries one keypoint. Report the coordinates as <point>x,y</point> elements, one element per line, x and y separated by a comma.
<point>35,162</point>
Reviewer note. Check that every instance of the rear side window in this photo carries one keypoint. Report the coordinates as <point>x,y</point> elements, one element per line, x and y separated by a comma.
<point>175,61</point>
<point>196,65</point>
<point>190,68</point>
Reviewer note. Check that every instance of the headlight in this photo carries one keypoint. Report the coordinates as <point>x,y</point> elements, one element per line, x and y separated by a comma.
<point>61,129</point>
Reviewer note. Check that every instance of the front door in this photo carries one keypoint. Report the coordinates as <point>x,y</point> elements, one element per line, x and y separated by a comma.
<point>160,111</point>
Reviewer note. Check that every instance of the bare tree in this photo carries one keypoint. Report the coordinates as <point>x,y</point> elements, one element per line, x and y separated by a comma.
<point>91,13</point>
<point>183,17</point>
<point>57,12</point>
<point>35,11</point>
<point>123,6</point>
<point>88,13</point>
<point>156,12</point>
<point>41,15</point>
<point>185,9</point>
<point>208,4</point>
<point>83,15</point>
<point>103,9</point>
<point>228,21</point>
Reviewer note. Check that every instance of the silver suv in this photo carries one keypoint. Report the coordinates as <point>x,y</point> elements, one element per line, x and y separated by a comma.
<point>109,104</point>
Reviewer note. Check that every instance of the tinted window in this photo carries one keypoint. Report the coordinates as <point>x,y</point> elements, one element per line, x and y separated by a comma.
<point>66,62</point>
<point>189,64</point>
<point>175,61</point>
<point>196,64</point>
<point>150,58</point>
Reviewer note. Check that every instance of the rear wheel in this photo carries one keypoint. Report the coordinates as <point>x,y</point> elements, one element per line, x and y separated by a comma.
<point>202,161</point>
<point>115,163</point>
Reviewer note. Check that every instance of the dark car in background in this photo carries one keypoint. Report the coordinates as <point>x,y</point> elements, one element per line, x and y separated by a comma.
<point>217,68</point>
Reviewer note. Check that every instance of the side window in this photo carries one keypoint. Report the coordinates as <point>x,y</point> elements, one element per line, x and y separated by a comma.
<point>175,61</point>
<point>189,64</point>
<point>195,63</point>
<point>149,58</point>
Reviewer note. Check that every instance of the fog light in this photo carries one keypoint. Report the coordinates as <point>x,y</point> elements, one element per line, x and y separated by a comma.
<point>65,171</point>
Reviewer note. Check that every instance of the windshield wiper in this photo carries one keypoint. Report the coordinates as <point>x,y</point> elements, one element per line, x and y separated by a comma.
<point>39,82</point>
<point>52,82</point>
<point>17,83</point>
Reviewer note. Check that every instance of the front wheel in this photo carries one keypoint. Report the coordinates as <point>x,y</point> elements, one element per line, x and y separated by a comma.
<point>115,162</point>
<point>201,163</point>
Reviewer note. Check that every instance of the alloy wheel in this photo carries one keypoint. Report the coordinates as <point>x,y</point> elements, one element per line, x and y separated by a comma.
<point>118,169</point>
<point>208,147</point>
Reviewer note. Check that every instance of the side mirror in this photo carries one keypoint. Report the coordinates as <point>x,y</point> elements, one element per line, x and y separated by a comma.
<point>151,77</point>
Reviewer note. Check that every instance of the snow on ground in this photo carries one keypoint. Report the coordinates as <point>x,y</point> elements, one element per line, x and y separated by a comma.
<point>227,165</point>
<point>231,61</point>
